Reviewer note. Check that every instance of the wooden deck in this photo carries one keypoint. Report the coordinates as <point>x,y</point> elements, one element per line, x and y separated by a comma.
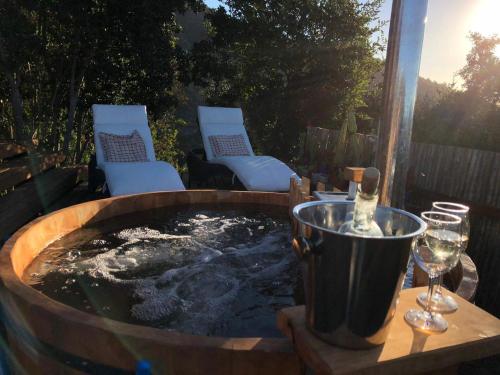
<point>34,183</point>
<point>9,150</point>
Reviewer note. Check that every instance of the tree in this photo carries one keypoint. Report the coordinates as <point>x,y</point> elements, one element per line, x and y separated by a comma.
<point>481,74</point>
<point>468,118</point>
<point>17,42</point>
<point>59,57</point>
<point>289,64</point>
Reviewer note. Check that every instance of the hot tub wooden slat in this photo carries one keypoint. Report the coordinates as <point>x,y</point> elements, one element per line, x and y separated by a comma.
<point>34,363</point>
<point>117,344</point>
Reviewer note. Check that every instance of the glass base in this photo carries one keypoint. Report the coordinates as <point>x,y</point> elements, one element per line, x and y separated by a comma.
<point>425,321</point>
<point>439,302</point>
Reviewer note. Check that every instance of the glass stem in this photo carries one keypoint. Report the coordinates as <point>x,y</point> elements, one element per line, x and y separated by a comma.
<point>433,282</point>
<point>438,287</point>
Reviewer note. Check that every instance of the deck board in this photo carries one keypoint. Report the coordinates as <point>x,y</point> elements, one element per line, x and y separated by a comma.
<point>9,150</point>
<point>34,197</point>
<point>16,171</point>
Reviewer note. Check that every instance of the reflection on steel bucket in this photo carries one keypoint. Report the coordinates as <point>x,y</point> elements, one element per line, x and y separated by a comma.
<point>352,282</point>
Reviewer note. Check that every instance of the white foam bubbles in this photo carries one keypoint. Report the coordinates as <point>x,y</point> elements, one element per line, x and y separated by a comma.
<point>195,271</point>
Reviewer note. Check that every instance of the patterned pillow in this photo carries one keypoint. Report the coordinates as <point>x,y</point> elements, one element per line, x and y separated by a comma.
<point>228,145</point>
<point>123,148</point>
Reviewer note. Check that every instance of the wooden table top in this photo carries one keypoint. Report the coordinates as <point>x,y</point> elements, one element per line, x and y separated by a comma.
<point>472,334</point>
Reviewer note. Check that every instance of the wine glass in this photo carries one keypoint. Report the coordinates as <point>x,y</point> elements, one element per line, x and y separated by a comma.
<point>436,252</point>
<point>440,302</point>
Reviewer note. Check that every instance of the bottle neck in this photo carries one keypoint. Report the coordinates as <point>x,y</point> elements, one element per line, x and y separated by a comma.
<point>364,210</point>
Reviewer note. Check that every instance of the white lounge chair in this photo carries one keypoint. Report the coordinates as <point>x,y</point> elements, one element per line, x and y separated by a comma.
<point>260,173</point>
<point>131,177</point>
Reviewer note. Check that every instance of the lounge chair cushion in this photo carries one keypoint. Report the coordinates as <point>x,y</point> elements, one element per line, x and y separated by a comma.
<point>221,121</point>
<point>123,148</point>
<point>260,173</point>
<point>121,120</point>
<point>228,145</point>
<point>142,177</point>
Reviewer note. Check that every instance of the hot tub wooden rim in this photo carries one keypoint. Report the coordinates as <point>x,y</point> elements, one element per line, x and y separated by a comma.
<point>45,316</point>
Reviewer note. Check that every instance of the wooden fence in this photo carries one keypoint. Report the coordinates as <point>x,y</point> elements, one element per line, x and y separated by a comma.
<point>449,173</point>
<point>468,174</point>
<point>473,177</point>
<point>320,144</point>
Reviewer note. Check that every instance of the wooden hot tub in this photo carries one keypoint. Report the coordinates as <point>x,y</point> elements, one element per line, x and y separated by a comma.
<point>46,336</point>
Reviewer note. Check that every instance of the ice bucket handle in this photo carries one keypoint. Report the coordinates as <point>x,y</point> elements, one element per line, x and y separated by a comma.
<point>301,246</point>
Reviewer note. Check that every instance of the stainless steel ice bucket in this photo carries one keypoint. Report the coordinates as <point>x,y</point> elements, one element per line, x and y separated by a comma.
<point>352,283</point>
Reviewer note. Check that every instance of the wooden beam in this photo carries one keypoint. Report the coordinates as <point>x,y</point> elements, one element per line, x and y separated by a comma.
<point>33,197</point>
<point>19,170</point>
<point>354,174</point>
<point>8,150</point>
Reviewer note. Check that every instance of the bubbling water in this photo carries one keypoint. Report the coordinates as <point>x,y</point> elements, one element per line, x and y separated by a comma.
<point>221,272</point>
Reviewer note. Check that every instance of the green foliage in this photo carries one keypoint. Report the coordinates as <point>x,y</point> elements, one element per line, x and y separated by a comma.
<point>340,148</point>
<point>348,147</point>
<point>369,113</point>
<point>469,118</point>
<point>165,133</point>
<point>60,57</point>
<point>289,64</point>
<point>482,71</point>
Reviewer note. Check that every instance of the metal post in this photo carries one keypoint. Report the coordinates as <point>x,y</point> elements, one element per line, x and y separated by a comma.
<point>402,67</point>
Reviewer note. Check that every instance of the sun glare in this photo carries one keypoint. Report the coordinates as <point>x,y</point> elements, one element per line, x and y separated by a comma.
<point>486,19</point>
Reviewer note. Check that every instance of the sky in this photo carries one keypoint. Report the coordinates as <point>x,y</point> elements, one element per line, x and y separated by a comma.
<point>448,23</point>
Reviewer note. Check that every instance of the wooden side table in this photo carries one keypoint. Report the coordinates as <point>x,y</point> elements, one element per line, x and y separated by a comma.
<point>472,334</point>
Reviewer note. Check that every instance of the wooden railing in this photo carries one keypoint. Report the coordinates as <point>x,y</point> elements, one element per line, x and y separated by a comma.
<point>30,183</point>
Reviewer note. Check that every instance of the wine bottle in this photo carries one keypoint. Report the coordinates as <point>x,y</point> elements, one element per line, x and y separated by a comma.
<point>365,204</point>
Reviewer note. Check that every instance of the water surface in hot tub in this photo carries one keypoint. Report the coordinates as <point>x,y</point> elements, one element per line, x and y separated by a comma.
<point>213,270</point>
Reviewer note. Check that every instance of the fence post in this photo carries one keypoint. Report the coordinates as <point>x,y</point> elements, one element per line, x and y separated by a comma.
<point>400,87</point>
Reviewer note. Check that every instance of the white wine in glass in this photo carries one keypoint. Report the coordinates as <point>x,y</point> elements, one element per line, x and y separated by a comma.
<point>440,302</point>
<point>436,252</point>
